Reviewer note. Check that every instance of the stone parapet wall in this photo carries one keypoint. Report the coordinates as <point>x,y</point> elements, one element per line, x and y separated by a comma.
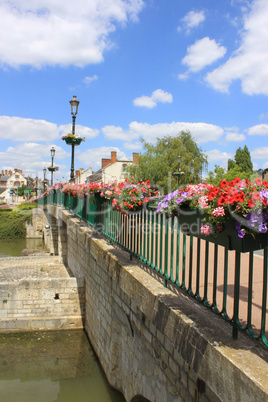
<point>41,304</point>
<point>152,342</point>
<point>34,228</point>
<point>37,293</point>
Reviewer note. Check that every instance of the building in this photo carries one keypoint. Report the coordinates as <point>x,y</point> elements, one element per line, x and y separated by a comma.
<point>112,169</point>
<point>81,175</point>
<point>9,183</point>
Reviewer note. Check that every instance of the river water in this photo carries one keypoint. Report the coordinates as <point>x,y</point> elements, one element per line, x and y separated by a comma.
<point>52,366</point>
<point>14,247</point>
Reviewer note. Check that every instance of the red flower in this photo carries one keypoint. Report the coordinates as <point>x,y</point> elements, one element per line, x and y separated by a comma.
<point>237,181</point>
<point>223,184</point>
<point>256,196</point>
<point>258,181</point>
<point>251,203</point>
<point>221,201</point>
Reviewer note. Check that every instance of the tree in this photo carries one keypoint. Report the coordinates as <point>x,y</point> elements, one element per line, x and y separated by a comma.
<point>21,190</point>
<point>217,176</point>
<point>243,159</point>
<point>231,164</point>
<point>159,162</point>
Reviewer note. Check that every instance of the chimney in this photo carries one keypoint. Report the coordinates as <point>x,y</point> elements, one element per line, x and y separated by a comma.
<point>113,157</point>
<point>135,157</point>
<point>5,172</point>
<point>105,162</point>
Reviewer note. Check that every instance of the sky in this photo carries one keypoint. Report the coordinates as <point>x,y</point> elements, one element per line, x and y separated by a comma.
<point>140,69</point>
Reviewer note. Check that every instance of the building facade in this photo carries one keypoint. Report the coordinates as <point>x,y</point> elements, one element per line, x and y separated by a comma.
<point>112,169</point>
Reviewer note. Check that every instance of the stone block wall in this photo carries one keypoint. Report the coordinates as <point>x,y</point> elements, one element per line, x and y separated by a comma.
<point>152,342</point>
<point>41,304</point>
<point>34,228</point>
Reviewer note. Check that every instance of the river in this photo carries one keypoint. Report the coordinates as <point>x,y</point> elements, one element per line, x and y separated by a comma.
<point>52,366</point>
<point>14,247</point>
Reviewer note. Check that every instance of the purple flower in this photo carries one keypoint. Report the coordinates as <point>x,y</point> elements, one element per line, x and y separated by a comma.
<point>237,225</point>
<point>241,233</point>
<point>262,228</point>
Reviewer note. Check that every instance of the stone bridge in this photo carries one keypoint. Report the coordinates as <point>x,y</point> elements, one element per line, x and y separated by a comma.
<point>153,343</point>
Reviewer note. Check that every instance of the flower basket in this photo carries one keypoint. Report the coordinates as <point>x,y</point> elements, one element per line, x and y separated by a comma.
<point>51,169</point>
<point>73,141</point>
<point>192,220</point>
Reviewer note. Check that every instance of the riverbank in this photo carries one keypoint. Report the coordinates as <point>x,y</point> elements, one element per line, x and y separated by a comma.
<point>13,220</point>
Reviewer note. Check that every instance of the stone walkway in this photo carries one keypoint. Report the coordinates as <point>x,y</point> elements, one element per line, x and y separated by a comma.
<point>13,269</point>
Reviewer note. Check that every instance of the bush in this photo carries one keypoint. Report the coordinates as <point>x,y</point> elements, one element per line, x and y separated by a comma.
<point>12,221</point>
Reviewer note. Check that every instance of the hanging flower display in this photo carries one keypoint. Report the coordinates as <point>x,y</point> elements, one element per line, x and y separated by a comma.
<point>72,139</point>
<point>242,202</point>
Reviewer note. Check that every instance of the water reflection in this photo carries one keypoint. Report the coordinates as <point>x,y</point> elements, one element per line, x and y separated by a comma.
<point>14,247</point>
<point>52,366</point>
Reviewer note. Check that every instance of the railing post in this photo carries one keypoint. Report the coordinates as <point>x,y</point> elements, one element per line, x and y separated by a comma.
<point>236,294</point>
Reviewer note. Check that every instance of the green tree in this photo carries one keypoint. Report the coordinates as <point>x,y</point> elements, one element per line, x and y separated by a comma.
<point>216,176</point>
<point>159,162</point>
<point>21,190</point>
<point>231,164</point>
<point>243,159</point>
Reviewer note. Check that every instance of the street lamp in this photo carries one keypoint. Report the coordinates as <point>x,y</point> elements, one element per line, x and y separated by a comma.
<point>179,173</point>
<point>52,151</point>
<point>74,110</point>
<point>45,171</point>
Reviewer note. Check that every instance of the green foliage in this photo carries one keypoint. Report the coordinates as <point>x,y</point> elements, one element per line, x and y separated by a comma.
<point>231,164</point>
<point>21,190</point>
<point>159,162</point>
<point>217,176</point>
<point>243,159</point>
<point>12,221</point>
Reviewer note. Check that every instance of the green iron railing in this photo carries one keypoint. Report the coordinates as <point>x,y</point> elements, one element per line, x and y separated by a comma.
<point>231,284</point>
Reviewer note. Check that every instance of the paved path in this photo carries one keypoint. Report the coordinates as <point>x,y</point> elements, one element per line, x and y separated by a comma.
<point>13,269</point>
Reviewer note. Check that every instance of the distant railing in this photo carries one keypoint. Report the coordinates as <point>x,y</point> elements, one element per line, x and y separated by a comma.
<point>231,284</point>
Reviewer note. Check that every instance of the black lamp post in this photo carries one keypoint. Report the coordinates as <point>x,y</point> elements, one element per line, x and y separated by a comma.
<point>74,110</point>
<point>52,151</point>
<point>45,171</point>
<point>179,173</point>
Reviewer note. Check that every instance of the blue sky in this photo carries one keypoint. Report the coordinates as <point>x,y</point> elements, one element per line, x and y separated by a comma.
<point>140,68</point>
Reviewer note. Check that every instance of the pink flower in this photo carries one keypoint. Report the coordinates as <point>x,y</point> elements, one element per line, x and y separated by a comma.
<point>218,211</point>
<point>205,229</point>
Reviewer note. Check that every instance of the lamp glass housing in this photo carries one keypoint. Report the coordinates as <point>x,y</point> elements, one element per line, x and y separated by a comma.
<point>52,151</point>
<point>74,106</point>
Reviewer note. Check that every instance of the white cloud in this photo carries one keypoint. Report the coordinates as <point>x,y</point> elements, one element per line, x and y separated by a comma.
<point>27,130</point>
<point>82,131</point>
<point>215,155</point>
<point>19,129</point>
<point>202,132</point>
<point>89,80</point>
<point>92,157</point>
<point>249,63</point>
<point>56,32</point>
<point>31,157</point>
<point>144,101</point>
<point>235,137</point>
<point>260,153</point>
<point>192,20</point>
<point>259,129</point>
<point>203,53</point>
<point>134,146</point>
<point>151,101</point>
